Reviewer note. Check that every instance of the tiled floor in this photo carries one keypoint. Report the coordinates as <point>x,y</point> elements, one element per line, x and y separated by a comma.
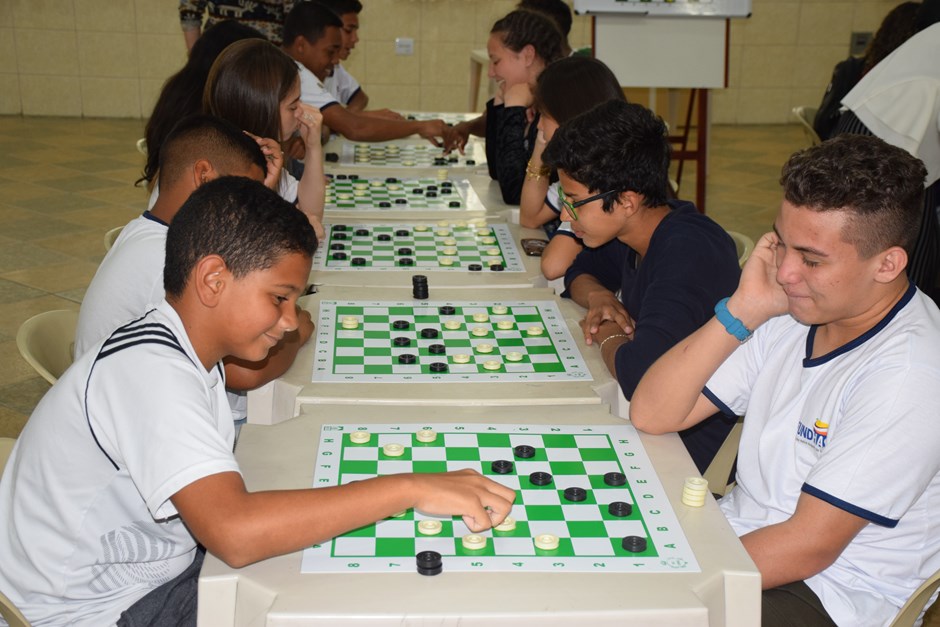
<point>64,182</point>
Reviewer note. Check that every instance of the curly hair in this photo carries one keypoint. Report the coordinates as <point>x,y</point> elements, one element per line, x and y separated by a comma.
<point>899,25</point>
<point>614,146</point>
<point>249,226</point>
<point>520,28</point>
<point>880,186</point>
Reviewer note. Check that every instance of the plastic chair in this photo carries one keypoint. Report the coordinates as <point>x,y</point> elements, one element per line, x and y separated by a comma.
<point>46,341</point>
<point>142,146</point>
<point>11,614</point>
<point>719,471</point>
<point>743,244</point>
<point>805,116</point>
<point>6,447</point>
<point>110,236</point>
<point>915,604</point>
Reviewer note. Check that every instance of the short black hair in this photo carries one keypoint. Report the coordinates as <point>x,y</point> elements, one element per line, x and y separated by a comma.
<point>558,10</point>
<point>249,226</point>
<point>880,186</point>
<point>614,146</point>
<point>223,144</point>
<point>310,21</point>
<point>571,86</point>
<point>519,29</point>
<point>342,7</point>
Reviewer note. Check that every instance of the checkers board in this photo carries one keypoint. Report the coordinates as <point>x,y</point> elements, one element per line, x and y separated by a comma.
<point>444,246</point>
<point>410,155</point>
<point>450,118</point>
<point>349,193</point>
<point>445,342</point>
<point>590,536</point>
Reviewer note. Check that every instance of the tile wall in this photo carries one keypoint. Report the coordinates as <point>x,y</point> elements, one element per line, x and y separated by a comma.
<point>108,58</point>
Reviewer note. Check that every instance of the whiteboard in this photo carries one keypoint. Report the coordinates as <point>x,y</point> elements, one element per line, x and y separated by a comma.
<point>679,8</point>
<point>662,52</point>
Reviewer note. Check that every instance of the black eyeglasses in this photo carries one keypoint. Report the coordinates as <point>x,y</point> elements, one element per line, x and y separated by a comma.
<point>571,206</point>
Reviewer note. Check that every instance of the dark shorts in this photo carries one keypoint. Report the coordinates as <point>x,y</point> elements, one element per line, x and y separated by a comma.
<point>793,605</point>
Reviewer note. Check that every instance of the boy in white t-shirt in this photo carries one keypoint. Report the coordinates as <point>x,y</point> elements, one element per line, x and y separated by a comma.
<point>838,471</point>
<point>126,464</point>
<point>129,281</point>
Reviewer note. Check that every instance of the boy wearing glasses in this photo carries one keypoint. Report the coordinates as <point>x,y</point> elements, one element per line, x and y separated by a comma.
<point>670,263</point>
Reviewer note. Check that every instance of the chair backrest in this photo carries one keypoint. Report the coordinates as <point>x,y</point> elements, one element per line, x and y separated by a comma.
<point>110,236</point>
<point>142,146</point>
<point>805,116</point>
<point>6,447</point>
<point>911,610</point>
<point>719,470</point>
<point>46,341</point>
<point>11,614</point>
<point>743,244</point>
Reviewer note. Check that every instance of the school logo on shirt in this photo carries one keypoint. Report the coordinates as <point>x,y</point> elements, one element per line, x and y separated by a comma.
<point>815,436</point>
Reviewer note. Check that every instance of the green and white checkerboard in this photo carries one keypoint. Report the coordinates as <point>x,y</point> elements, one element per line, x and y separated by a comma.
<point>577,456</point>
<point>411,155</point>
<point>445,246</point>
<point>368,353</point>
<point>350,193</point>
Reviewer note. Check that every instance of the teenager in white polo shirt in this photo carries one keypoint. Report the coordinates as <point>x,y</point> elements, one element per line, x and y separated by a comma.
<point>839,461</point>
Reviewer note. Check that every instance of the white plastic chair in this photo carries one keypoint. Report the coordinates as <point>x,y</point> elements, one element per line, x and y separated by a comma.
<point>47,342</point>
<point>743,244</point>
<point>805,116</point>
<point>111,236</point>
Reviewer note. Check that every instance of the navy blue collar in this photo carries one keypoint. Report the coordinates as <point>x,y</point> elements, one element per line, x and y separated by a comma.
<point>150,216</point>
<point>809,362</point>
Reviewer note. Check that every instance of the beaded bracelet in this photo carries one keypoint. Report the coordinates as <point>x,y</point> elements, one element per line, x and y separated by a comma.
<point>610,337</point>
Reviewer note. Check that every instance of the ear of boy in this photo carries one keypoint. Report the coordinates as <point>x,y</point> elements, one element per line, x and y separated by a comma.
<point>893,263</point>
<point>210,277</point>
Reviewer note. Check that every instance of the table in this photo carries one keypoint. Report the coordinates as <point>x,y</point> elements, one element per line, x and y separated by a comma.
<point>287,396</point>
<point>275,593</point>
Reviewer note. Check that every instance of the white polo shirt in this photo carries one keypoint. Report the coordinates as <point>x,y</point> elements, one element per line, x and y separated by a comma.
<point>856,428</point>
<point>88,527</point>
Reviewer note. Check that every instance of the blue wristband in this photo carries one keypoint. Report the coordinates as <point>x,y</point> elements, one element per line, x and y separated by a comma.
<point>732,325</point>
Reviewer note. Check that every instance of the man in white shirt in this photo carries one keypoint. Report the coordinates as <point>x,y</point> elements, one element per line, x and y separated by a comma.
<point>839,462</point>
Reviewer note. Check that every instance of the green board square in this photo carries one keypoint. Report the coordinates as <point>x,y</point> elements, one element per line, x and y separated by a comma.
<point>557,367</point>
<point>347,360</point>
<point>598,454</point>
<point>559,440</point>
<point>419,467</point>
<point>548,349</point>
<point>394,547</point>
<point>650,551</point>
<point>406,456</point>
<point>362,532</point>
<point>567,468</point>
<point>457,453</point>
<point>360,467</point>
<point>586,529</point>
<point>493,440</point>
<point>349,310</point>
<point>521,531</point>
<point>488,550</point>
<point>544,512</point>
<point>606,515</point>
<point>565,549</point>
